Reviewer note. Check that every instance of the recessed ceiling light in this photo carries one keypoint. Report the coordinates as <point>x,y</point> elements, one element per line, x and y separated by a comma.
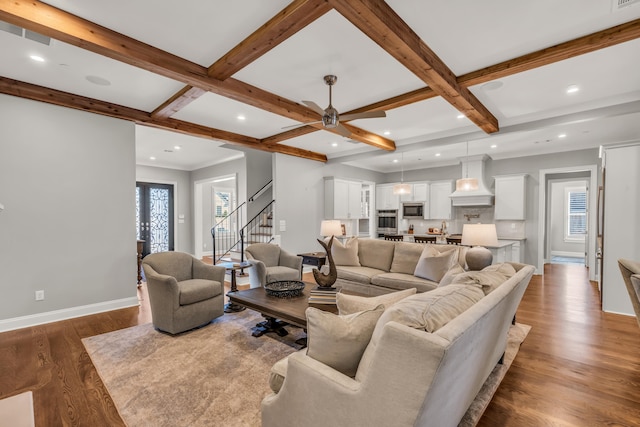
<point>572,88</point>
<point>152,158</point>
<point>461,116</point>
<point>386,132</point>
<point>395,160</point>
<point>36,58</point>
<point>334,144</point>
<point>494,146</point>
<point>97,80</point>
<point>176,147</point>
<point>437,154</point>
<point>562,135</point>
<point>241,117</point>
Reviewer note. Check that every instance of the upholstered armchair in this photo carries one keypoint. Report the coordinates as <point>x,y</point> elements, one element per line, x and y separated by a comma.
<point>631,274</point>
<point>270,263</point>
<point>184,292</point>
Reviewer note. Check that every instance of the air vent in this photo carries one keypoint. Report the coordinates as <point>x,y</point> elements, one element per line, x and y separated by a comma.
<point>27,34</point>
<point>621,4</point>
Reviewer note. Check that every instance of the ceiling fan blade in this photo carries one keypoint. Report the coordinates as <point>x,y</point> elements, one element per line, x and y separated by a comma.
<point>343,130</point>
<point>364,115</point>
<point>315,107</point>
<point>299,125</point>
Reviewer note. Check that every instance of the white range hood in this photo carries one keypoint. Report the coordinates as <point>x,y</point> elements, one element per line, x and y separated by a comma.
<point>473,167</point>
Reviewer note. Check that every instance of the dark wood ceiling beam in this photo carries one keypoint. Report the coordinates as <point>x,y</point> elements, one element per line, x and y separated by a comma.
<point>570,49</point>
<point>381,23</point>
<point>71,29</point>
<point>286,23</point>
<point>69,100</point>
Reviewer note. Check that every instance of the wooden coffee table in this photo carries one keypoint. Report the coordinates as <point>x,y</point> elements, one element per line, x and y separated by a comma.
<point>278,312</point>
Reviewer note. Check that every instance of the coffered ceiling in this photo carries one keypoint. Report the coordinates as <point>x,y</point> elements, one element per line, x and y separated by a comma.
<point>494,74</point>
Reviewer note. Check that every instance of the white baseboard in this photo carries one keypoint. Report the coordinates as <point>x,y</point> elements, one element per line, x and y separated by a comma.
<point>67,313</point>
<point>568,254</point>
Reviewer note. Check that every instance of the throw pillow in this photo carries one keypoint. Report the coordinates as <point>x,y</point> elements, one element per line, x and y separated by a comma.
<point>431,310</point>
<point>486,280</point>
<point>503,267</point>
<point>339,341</point>
<point>449,275</point>
<point>406,256</point>
<point>434,267</point>
<point>349,304</point>
<point>345,253</point>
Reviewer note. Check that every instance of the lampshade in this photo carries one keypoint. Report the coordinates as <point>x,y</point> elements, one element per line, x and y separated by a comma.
<point>466,184</point>
<point>402,189</point>
<point>330,227</point>
<point>479,235</point>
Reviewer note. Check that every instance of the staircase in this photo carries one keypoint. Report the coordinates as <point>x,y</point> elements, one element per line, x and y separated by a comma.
<point>230,237</point>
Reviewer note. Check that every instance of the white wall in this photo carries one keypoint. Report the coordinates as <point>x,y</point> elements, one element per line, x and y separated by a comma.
<point>67,182</point>
<point>182,201</point>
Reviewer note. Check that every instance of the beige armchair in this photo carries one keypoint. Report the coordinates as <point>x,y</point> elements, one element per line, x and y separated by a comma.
<point>631,274</point>
<point>184,292</point>
<point>270,263</point>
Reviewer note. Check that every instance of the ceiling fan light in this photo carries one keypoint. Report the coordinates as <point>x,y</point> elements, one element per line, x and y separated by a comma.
<point>466,184</point>
<point>401,189</point>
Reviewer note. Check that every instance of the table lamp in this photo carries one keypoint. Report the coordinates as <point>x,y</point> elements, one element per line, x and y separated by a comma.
<point>477,236</point>
<point>330,227</point>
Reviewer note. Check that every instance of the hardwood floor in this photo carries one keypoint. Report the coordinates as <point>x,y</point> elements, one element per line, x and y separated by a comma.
<point>578,366</point>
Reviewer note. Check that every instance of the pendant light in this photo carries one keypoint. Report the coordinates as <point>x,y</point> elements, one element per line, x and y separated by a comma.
<point>466,183</point>
<point>402,188</point>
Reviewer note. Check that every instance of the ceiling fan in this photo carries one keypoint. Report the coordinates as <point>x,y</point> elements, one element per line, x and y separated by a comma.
<point>331,118</point>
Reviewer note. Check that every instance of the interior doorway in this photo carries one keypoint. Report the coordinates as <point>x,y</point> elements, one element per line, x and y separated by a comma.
<point>154,217</point>
<point>566,226</point>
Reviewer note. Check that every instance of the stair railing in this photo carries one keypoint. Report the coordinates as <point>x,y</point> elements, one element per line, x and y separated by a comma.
<point>224,233</point>
<point>258,230</point>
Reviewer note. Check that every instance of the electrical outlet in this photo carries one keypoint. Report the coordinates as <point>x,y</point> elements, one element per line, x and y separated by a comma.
<point>39,295</point>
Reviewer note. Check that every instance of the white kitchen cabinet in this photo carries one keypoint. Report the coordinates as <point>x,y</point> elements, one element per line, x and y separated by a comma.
<point>342,198</point>
<point>385,199</point>
<point>439,200</point>
<point>419,192</point>
<point>510,200</point>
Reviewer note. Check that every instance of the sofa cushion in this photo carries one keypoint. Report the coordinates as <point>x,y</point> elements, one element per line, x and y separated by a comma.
<point>345,253</point>
<point>196,290</point>
<point>485,280</point>
<point>428,311</point>
<point>403,281</point>
<point>406,256</point>
<point>339,341</point>
<point>358,274</point>
<point>376,253</point>
<point>349,304</point>
<point>449,275</point>
<point>434,267</point>
<point>462,252</point>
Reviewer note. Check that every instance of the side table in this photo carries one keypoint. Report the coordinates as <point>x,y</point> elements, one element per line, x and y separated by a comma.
<point>316,259</point>
<point>231,268</point>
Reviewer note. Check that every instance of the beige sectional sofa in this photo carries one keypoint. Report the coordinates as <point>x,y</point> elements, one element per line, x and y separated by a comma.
<point>383,266</point>
<point>418,369</point>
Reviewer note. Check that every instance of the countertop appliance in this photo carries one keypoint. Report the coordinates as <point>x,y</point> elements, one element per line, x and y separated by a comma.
<point>412,210</point>
<point>387,222</point>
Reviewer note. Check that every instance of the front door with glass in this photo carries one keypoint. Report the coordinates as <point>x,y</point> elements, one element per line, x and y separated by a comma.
<point>154,216</point>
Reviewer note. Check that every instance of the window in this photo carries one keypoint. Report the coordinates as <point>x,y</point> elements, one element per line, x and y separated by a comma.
<point>576,219</point>
<point>221,208</point>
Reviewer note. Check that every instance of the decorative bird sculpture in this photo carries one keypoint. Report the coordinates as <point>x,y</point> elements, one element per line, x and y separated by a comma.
<point>326,280</point>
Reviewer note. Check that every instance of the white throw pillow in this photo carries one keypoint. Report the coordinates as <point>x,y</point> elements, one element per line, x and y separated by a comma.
<point>339,341</point>
<point>345,254</point>
<point>349,304</point>
<point>434,267</point>
<point>451,274</point>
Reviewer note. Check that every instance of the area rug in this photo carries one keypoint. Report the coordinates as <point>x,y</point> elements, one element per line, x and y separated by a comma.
<point>17,411</point>
<point>215,375</point>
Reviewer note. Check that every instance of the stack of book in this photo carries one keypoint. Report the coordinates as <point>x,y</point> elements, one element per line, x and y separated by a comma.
<point>322,296</point>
